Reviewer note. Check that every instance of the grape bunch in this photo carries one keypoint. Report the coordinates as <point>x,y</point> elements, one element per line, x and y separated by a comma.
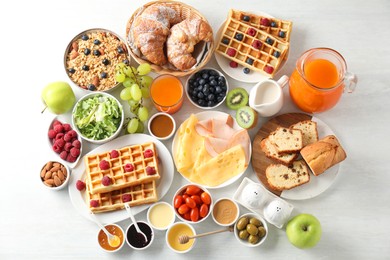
<point>136,84</point>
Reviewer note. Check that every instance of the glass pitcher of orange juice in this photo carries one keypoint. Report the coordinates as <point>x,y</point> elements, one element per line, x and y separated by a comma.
<point>319,80</point>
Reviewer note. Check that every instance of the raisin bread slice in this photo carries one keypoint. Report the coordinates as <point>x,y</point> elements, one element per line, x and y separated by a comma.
<point>271,152</point>
<point>309,131</point>
<point>281,177</point>
<point>286,140</point>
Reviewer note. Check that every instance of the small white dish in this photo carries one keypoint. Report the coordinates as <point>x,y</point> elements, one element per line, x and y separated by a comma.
<point>162,126</point>
<point>136,241</point>
<point>225,212</point>
<point>172,237</point>
<point>52,172</point>
<point>245,242</point>
<point>161,215</point>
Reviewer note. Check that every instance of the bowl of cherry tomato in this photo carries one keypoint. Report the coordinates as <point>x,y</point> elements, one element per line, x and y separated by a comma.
<point>193,203</point>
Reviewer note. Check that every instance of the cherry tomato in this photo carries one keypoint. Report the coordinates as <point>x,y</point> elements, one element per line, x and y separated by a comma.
<point>205,198</point>
<point>178,201</point>
<point>187,216</point>
<point>194,214</point>
<point>204,209</point>
<point>185,196</point>
<point>192,190</point>
<point>183,209</point>
<point>197,199</point>
<point>190,203</point>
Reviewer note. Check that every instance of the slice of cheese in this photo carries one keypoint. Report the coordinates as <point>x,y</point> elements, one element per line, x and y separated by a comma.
<point>223,167</point>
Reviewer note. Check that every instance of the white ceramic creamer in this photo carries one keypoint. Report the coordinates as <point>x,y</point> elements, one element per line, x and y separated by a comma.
<point>266,97</point>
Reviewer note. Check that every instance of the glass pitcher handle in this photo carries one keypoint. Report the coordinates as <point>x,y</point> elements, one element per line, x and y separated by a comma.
<point>350,82</point>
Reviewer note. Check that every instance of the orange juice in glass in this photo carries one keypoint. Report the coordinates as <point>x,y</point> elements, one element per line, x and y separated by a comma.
<point>166,92</point>
<point>319,80</point>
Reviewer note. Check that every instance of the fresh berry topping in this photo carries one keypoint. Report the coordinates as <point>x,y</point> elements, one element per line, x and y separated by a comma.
<point>126,61</point>
<point>85,37</point>
<point>96,53</point>
<point>120,49</point>
<point>56,148</point>
<point>225,41</point>
<point>56,122</point>
<point>68,146</point>
<point>63,155</point>
<point>129,167</point>
<point>75,152</point>
<point>58,128</point>
<point>71,70</point>
<point>276,54</point>
<point>150,170</point>
<point>59,136</point>
<point>148,153</point>
<point>257,44</point>
<point>103,75</point>
<point>249,61</point>
<point>52,133</point>
<point>282,34</point>
<point>231,52</point>
<point>67,127</point>
<point>73,133</point>
<point>71,158</point>
<point>68,137</point>
<point>264,21</point>
<point>87,51</point>
<point>94,203</point>
<point>104,165</point>
<point>59,142</point>
<point>85,67</point>
<point>106,180</point>
<point>114,154</point>
<point>80,185</point>
<point>76,144</point>
<point>246,18</point>
<point>96,42</point>
<point>251,32</point>
<point>91,87</point>
<point>268,69</point>
<point>246,70</point>
<point>233,64</point>
<point>269,41</point>
<point>239,36</point>
<point>273,24</point>
<point>126,197</point>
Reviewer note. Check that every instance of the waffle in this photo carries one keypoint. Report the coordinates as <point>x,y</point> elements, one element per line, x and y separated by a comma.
<point>116,171</point>
<point>280,29</point>
<point>140,194</point>
<point>266,57</point>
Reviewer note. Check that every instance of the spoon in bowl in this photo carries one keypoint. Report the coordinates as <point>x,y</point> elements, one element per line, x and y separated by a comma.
<point>183,239</point>
<point>113,240</point>
<point>139,231</point>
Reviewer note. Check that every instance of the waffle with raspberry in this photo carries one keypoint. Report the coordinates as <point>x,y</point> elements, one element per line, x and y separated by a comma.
<point>121,168</point>
<point>136,195</point>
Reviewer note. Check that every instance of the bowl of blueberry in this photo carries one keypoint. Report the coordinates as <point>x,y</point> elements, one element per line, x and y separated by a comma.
<point>207,88</point>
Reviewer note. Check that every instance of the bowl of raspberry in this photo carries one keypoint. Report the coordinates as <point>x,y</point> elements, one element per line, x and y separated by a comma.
<point>65,142</point>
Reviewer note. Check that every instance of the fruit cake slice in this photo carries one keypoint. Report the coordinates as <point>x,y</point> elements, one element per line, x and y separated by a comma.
<point>271,152</point>
<point>286,140</point>
<point>281,177</point>
<point>309,131</point>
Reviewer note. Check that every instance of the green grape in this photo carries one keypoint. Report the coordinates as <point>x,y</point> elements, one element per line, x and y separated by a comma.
<point>128,82</point>
<point>120,66</point>
<point>146,81</point>
<point>136,92</point>
<point>143,114</point>
<point>129,71</point>
<point>145,92</point>
<point>120,76</point>
<point>132,126</point>
<point>144,69</point>
<point>125,94</point>
<point>132,103</point>
<point>140,128</point>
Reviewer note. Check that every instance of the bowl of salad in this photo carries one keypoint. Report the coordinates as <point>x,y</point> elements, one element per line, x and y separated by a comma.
<point>98,117</point>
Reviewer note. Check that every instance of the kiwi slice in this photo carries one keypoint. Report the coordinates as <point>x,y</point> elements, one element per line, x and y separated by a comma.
<point>246,117</point>
<point>237,98</point>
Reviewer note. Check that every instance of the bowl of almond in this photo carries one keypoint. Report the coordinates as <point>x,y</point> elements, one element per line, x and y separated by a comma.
<point>55,175</point>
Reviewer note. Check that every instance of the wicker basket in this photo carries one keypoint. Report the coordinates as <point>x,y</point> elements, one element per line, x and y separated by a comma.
<point>185,12</point>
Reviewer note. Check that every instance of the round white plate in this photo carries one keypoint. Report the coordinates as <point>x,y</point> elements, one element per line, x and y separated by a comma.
<point>238,73</point>
<point>204,116</point>
<point>163,184</point>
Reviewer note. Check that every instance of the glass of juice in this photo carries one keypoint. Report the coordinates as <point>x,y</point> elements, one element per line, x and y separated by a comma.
<point>166,92</point>
<point>319,79</point>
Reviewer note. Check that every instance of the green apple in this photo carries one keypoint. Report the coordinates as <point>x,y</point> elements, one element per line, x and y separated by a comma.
<point>58,97</point>
<point>304,231</point>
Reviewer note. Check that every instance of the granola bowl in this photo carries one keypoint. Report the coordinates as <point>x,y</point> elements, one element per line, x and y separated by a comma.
<point>91,57</point>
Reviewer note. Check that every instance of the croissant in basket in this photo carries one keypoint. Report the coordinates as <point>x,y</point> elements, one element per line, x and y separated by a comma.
<point>151,29</point>
<point>182,40</point>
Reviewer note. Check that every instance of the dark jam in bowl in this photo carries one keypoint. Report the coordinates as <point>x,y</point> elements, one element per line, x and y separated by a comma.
<point>137,240</point>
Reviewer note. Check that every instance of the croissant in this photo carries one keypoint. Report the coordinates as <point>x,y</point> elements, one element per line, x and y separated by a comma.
<point>182,40</point>
<point>151,29</point>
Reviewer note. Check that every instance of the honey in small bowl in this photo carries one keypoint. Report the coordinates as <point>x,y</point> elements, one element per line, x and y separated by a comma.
<point>162,126</point>
<point>103,240</point>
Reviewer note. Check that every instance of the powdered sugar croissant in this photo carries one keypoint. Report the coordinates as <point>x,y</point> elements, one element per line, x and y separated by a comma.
<point>151,29</point>
<point>182,40</point>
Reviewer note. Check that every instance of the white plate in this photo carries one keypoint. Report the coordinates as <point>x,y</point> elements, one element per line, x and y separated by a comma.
<point>238,73</point>
<point>204,116</point>
<point>317,184</point>
<point>163,184</point>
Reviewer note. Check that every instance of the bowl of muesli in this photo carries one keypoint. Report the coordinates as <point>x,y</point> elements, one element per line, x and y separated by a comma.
<point>91,57</point>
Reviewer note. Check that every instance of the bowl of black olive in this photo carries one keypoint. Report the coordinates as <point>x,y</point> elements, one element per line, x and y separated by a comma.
<point>207,88</point>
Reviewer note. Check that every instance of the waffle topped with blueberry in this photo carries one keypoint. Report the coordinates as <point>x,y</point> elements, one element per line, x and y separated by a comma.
<point>118,169</point>
<point>136,195</point>
<point>280,29</point>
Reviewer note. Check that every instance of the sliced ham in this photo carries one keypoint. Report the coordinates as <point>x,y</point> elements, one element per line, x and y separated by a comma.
<point>242,137</point>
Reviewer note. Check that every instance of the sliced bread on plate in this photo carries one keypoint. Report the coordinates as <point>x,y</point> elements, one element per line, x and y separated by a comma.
<point>286,140</point>
<point>309,131</point>
<point>281,177</point>
<point>271,152</point>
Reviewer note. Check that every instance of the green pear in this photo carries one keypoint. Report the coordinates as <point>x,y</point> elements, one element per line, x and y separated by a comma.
<point>58,97</point>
